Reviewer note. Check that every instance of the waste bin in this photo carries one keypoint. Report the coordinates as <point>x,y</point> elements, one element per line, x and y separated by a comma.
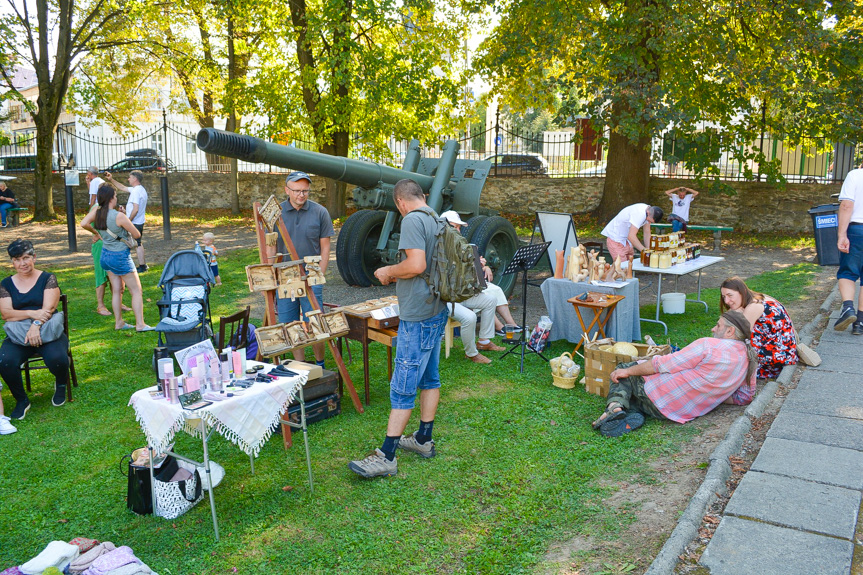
<point>825,222</point>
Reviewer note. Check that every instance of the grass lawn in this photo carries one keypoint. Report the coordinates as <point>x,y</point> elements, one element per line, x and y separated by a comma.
<point>518,465</point>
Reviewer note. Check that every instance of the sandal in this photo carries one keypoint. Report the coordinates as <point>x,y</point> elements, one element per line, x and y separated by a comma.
<point>125,307</point>
<point>125,326</point>
<point>104,311</point>
<point>609,414</point>
<point>632,421</point>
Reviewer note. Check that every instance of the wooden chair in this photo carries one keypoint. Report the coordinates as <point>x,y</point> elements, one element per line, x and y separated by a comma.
<point>37,358</point>
<point>236,327</point>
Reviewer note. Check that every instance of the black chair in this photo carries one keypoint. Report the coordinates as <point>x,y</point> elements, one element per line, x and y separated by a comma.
<point>38,358</point>
<point>236,328</point>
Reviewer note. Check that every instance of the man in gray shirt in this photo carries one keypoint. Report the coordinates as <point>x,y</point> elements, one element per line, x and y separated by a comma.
<point>310,227</point>
<point>421,324</point>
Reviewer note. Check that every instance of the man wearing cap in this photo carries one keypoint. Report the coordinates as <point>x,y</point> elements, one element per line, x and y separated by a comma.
<point>309,225</point>
<point>622,231</point>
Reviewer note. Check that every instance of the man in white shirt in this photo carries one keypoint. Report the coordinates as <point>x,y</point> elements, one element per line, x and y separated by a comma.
<point>680,198</point>
<point>93,182</point>
<point>136,207</point>
<point>850,244</point>
<point>622,231</point>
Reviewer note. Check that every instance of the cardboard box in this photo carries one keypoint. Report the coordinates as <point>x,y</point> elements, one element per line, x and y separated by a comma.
<point>599,364</point>
<point>315,371</point>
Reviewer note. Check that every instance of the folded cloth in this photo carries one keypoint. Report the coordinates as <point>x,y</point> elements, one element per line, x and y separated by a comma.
<point>116,558</point>
<point>132,569</point>
<point>57,554</point>
<point>11,571</point>
<point>83,543</point>
<point>52,571</point>
<point>83,562</point>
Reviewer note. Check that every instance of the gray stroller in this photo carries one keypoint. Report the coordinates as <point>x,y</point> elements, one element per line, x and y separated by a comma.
<point>185,305</point>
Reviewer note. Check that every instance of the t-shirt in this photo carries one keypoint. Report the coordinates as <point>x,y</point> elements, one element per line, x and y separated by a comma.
<point>94,185</point>
<point>681,207</point>
<point>7,193</point>
<point>415,301</point>
<point>137,195</point>
<point>214,253</point>
<point>306,227</point>
<point>852,190</point>
<point>618,228</point>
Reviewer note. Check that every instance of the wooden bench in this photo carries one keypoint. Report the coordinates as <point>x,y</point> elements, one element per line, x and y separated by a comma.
<point>717,231</point>
<point>12,215</point>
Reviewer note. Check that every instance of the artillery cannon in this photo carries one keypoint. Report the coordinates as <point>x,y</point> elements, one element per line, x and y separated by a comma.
<point>369,238</point>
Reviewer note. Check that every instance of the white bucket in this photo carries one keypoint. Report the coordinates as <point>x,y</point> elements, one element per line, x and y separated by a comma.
<point>673,303</point>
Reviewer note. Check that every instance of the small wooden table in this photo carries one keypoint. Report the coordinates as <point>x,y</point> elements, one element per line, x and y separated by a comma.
<point>599,303</point>
<point>364,329</point>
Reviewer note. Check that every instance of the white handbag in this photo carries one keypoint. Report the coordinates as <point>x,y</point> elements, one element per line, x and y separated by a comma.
<point>175,497</point>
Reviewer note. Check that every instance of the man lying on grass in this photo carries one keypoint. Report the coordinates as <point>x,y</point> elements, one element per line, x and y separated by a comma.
<point>686,384</point>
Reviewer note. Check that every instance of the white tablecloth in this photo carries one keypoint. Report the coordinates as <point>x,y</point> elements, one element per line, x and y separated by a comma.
<point>247,420</point>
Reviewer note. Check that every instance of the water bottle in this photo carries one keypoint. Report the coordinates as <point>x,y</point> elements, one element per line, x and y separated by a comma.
<point>198,248</point>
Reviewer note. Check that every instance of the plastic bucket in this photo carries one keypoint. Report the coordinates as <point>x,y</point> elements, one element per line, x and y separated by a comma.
<point>673,303</point>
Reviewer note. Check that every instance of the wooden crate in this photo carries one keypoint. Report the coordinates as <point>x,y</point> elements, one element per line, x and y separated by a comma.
<point>337,323</point>
<point>272,340</point>
<point>599,364</point>
<point>261,277</point>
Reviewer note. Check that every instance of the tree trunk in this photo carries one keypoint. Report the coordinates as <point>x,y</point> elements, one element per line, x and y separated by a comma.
<point>337,191</point>
<point>627,175</point>
<point>44,208</point>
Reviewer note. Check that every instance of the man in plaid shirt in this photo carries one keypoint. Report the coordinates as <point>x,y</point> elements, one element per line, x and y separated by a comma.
<point>685,384</point>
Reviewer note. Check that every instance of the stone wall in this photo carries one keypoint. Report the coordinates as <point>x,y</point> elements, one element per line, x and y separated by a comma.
<point>753,207</point>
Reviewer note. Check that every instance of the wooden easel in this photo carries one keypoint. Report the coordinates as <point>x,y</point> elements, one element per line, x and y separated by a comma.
<point>270,299</point>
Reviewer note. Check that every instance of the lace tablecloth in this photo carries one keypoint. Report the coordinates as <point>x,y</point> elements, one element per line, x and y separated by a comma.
<point>246,420</point>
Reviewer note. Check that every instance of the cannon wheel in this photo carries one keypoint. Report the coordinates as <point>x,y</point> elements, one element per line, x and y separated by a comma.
<point>363,257</point>
<point>497,241</point>
<point>471,227</point>
<point>342,243</point>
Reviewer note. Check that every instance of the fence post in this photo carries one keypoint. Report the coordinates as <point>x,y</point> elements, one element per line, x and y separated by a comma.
<point>163,182</point>
<point>496,138</point>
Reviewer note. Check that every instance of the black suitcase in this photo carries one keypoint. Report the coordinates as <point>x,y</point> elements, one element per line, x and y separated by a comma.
<point>317,409</point>
<point>327,384</point>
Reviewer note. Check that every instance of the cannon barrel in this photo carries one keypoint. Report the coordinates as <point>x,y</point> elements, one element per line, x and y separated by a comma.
<point>251,149</point>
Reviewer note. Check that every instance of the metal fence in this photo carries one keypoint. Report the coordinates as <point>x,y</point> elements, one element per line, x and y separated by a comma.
<point>571,153</point>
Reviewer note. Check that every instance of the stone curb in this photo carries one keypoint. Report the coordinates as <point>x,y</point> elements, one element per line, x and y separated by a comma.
<point>720,468</point>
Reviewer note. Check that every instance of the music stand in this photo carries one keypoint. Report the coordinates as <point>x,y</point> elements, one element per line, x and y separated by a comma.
<point>525,258</point>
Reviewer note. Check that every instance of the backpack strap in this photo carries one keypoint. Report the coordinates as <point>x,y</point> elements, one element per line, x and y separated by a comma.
<point>429,273</point>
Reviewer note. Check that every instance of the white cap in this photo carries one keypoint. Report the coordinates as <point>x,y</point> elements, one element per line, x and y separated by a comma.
<point>452,217</point>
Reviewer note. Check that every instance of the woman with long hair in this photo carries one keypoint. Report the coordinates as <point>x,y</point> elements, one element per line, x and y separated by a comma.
<point>116,259</point>
<point>773,333</point>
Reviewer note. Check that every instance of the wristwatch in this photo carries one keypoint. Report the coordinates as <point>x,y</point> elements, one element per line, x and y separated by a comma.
<point>37,322</point>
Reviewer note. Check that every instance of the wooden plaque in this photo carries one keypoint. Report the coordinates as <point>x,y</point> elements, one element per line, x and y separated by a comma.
<point>337,323</point>
<point>296,332</point>
<point>262,277</point>
<point>272,340</point>
<point>270,212</point>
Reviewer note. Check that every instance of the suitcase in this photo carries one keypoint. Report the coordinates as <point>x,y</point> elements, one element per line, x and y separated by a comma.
<point>317,409</point>
<point>327,384</point>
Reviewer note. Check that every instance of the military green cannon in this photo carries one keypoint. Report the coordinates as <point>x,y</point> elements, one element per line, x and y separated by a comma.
<point>369,238</point>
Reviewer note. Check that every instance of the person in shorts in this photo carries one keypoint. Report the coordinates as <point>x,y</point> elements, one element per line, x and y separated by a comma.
<point>136,208</point>
<point>850,244</point>
<point>209,248</point>
<point>622,231</point>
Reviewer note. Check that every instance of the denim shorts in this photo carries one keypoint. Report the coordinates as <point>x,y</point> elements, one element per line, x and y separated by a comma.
<point>118,263</point>
<point>290,310</point>
<point>851,264</point>
<point>417,359</point>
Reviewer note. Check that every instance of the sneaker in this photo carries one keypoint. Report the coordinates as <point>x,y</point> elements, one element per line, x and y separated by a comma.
<point>141,269</point>
<point>4,225</point>
<point>500,332</point>
<point>847,318</point>
<point>21,409</point>
<point>479,358</point>
<point>59,395</point>
<point>489,347</point>
<point>5,427</point>
<point>409,443</point>
<point>858,328</point>
<point>375,465</point>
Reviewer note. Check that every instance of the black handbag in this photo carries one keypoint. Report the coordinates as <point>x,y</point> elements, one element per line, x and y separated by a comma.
<point>139,495</point>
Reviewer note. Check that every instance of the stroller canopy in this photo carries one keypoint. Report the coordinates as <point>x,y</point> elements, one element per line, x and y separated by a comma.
<point>186,268</point>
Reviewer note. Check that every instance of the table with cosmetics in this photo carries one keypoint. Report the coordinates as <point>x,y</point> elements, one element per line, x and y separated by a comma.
<point>246,417</point>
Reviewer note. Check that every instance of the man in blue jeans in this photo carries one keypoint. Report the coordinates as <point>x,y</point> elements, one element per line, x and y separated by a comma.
<point>850,243</point>
<point>421,324</point>
<point>7,202</point>
<point>310,227</point>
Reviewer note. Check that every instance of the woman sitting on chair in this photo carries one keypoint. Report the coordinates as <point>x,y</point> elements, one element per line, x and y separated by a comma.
<point>31,294</point>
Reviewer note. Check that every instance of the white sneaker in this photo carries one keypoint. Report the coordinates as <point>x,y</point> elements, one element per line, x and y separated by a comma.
<point>5,427</point>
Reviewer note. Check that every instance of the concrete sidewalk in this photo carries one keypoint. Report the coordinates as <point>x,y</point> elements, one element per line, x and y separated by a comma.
<point>795,511</point>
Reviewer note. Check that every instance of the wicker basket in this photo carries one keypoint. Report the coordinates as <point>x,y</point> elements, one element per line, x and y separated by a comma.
<point>565,382</point>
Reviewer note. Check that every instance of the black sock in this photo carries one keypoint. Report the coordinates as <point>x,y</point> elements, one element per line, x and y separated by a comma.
<point>390,445</point>
<point>847,304</point>
<point>424,433</point>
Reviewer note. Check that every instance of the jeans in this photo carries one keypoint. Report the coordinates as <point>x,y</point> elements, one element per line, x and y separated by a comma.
<point>289,311</point>
<point>4,207</point>
<point>417,359</point>
<point>851,264</point>
<point>13,355</point>
<point>629,393</point>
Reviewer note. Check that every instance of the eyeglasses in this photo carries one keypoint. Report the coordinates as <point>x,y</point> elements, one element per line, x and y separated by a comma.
<point>305,192</point>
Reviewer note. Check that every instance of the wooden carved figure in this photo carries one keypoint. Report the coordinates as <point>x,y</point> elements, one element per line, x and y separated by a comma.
<point>629,268</point>
<point>313,270</point>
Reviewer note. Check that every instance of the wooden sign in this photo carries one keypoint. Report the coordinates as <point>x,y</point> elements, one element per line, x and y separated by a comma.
<point>270,212</point>
<point>261,277</point>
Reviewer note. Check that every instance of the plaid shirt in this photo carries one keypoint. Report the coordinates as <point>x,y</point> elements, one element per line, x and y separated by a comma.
<point>699,377</point>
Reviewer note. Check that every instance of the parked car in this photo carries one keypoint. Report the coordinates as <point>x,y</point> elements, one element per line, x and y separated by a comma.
<point>525,164</point>
<point>144,159</point>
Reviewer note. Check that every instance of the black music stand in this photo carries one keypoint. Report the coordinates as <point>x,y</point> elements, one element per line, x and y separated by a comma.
<point>525,258</point>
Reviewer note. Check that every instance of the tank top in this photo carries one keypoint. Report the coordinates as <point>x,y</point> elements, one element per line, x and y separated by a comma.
<point>110,243</point>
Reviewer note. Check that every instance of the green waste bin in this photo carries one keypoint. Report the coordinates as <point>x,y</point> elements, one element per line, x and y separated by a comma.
<point>825,223</point>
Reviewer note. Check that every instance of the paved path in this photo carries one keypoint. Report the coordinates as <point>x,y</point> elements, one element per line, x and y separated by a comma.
<point>795,511</point>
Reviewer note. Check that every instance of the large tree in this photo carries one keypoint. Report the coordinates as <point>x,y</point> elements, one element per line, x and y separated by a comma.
<point>53,42</point>
<point>639,67</point>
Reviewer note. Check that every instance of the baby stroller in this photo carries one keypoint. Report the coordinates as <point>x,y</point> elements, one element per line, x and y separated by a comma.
<point>185,305</point>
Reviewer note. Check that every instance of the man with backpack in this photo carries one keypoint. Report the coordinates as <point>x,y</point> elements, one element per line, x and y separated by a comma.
<point>422,318</point>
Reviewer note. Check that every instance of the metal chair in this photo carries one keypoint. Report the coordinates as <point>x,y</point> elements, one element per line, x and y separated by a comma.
<point>73,376</point>
<point>236,327</point>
